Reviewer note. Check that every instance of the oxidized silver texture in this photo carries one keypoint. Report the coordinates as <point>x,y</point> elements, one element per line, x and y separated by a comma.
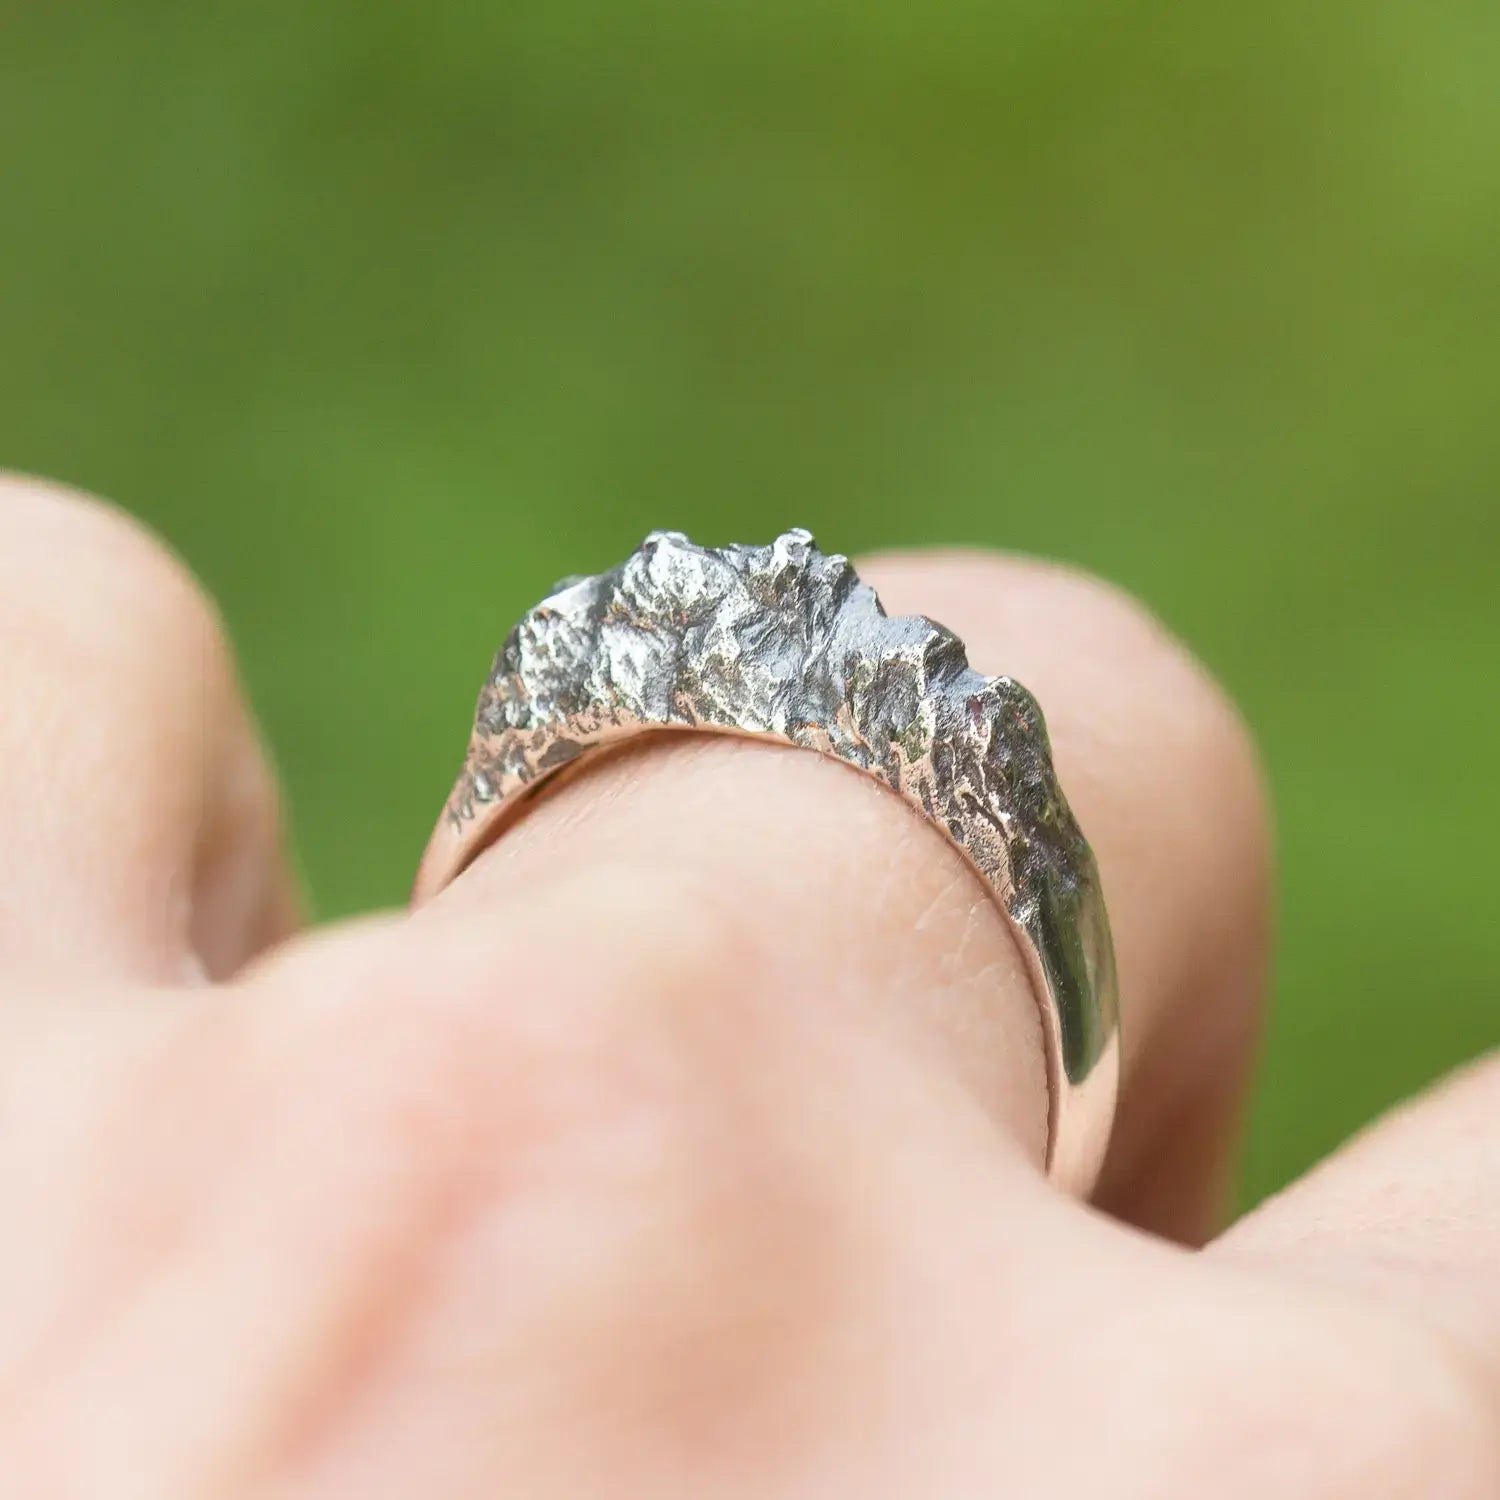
<point>784,642</point>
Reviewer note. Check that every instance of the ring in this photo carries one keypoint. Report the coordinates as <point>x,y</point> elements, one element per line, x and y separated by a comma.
<point>785,643</point>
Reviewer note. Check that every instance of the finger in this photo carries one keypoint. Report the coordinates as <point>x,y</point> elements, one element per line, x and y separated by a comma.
<point>879,919</point>
<point>1406,1215</point>
<point>138,818</point>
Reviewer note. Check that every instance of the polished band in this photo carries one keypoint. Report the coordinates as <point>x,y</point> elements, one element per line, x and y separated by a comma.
<point>784,642</point>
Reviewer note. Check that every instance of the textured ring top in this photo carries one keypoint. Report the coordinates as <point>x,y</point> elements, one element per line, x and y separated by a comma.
<point>785,643</point>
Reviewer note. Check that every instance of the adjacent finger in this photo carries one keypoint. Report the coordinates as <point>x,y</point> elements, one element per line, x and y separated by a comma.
<point>138,819</point>
<point>866,912</point>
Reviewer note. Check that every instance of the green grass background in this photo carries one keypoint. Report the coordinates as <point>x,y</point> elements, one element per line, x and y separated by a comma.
<point>389,313</point>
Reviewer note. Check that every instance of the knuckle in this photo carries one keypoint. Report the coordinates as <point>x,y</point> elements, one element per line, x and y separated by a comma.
<point>113,595</point>
<point>626,1036</point>
<point>659,1132</point>
<point>623,1142</point>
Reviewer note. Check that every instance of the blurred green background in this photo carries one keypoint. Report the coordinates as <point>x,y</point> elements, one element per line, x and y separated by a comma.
<point>389,313</point>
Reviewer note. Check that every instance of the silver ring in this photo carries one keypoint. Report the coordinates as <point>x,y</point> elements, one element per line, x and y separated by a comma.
<point>785,643</point>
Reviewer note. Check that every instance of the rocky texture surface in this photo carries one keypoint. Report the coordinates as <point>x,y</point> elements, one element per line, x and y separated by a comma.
<point>784,641</point>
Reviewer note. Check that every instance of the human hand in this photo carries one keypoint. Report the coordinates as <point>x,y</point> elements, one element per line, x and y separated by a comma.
<point>687,1145</point>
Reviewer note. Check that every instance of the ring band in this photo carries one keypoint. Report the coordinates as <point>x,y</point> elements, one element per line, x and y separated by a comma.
<point>784,642</point>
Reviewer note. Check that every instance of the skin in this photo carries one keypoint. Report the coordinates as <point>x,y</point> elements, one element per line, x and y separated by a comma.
<point>689,1144</point>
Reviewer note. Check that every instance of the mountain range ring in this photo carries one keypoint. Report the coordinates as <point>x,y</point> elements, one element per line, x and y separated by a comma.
<point>784,643</point>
